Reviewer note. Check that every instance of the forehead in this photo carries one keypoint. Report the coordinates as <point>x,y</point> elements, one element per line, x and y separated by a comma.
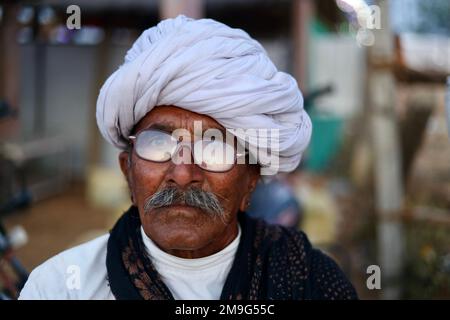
<point>169,118</point>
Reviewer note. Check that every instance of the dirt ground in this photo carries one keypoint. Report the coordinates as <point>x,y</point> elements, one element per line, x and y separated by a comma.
<point>56,224</point>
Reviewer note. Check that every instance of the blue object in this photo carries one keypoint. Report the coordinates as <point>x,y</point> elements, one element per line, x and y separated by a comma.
<point>275,203</point>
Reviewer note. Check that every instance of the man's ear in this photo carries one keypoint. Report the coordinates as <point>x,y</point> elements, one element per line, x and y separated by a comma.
<point>254,176</point>
<point>124,162</point>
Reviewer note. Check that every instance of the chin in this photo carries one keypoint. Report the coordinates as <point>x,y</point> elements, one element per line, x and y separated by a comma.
<point>177,234</point>
<point>182,240</point>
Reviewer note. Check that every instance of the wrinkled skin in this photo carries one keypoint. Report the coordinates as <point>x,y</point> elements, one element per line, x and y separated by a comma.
<point>182,230</point>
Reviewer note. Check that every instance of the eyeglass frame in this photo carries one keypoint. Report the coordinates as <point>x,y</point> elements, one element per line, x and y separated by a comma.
<point>133,138</point>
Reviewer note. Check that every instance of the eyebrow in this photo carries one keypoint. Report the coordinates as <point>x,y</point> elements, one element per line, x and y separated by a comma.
<point>162,126</point>
<point>169,128</point>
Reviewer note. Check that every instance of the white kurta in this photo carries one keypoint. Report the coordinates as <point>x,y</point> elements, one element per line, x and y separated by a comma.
<point>80,273</point>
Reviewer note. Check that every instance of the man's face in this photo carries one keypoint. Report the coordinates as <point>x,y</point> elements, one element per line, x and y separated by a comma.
<point>181,229</point>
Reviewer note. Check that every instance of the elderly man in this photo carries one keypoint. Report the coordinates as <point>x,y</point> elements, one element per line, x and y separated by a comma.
<point>186,235</point>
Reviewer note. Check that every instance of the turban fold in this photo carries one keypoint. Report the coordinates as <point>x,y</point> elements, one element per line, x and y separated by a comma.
<point>209,68</point>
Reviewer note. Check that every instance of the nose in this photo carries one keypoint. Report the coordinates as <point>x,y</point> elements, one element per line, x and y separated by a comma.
<point>183,172</point>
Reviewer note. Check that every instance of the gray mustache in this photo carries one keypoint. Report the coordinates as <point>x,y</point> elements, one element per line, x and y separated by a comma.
<point>194,197</point>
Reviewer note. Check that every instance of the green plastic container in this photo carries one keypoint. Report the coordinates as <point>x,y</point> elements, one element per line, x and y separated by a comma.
<point>325,141</point>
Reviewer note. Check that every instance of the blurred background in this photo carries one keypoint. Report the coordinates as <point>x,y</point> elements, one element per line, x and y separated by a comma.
<point>373,188</point>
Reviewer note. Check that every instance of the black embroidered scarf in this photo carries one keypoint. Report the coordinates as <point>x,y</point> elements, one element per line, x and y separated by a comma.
<point>271,262</point>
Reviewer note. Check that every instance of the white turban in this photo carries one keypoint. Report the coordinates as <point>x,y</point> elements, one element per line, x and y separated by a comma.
<point>209,68</point>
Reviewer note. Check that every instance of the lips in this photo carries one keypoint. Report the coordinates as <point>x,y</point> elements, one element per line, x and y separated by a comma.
<point>178,209</point>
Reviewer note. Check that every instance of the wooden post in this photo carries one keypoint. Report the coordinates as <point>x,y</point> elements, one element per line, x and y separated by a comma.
<point>447,105</point>
<point>302,11</point>
<point>387,156</point>
<point>172,8</point>
<point>9,67</point>
<point>101,74</point>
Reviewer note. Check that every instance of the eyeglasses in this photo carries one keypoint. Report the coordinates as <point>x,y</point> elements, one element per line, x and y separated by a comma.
<point>210,155</point>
